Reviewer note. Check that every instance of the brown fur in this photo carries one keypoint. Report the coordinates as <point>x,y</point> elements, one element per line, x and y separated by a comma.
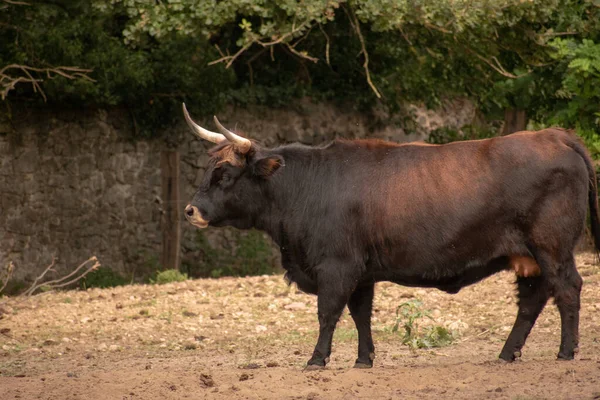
<point>226,154</point>
<point>351,213</point>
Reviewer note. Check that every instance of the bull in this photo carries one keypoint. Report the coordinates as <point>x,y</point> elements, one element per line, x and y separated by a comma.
<point>351,213</point>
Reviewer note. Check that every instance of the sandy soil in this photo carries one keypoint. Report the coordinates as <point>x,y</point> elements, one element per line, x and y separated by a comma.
<point>249,338</point>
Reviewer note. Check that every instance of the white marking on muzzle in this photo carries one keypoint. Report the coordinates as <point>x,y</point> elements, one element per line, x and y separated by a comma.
<point>194,217</point>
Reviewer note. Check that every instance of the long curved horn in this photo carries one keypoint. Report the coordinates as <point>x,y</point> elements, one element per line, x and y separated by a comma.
<point>242,144</point>
<point>200,131</point>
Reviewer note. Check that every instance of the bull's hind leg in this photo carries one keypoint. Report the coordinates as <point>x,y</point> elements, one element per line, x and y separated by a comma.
<point>533,295</point>
<point>561,280</point>
<point>567,291</point>
<point>553,236</point>
<point>361,306</point>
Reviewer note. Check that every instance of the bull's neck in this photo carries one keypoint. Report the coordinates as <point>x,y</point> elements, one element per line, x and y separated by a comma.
<point>286,193</point>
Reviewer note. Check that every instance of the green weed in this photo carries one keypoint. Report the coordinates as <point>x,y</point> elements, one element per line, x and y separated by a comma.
<point>409,316</point>
<point>103,277</point>
<point>168,276</point>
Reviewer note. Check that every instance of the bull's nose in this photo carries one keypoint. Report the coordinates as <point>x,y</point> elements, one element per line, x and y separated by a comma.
<point>190,210</point>
<point>194,216</point>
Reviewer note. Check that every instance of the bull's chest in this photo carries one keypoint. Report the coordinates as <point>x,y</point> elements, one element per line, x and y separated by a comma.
<point>295,262</point>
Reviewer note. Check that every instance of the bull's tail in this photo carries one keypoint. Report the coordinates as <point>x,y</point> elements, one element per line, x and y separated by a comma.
<point>576,144</point>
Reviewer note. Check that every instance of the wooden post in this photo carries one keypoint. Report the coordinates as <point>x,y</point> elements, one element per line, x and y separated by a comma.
<point>171,233</point>
<point>515,120</point>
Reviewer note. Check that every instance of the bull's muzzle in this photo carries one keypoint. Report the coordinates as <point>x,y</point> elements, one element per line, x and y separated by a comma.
<point>194,216</point>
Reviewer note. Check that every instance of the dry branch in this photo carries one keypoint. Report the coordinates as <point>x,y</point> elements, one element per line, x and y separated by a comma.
<point>326,45</point>
<point>12,74</point>
<point>249,64</point>
<point>16,3</point>
<point>495,64</point>
<point>229,59</point>
<point>6,275</point>
<point>355,24</point>
<point>62,282</point>
<point>78,273</point>
<point>301,54</point>
<point>436,28</point>
<point>404,35</point>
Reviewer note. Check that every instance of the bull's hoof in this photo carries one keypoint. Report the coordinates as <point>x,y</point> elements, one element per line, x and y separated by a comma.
<point>568,355</point>
<point>316,364</point>
<point>510,357</point>
<point>565,356</point>
<point>364,362</point>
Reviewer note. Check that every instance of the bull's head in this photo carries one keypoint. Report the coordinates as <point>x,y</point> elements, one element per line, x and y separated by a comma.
<point>232,189</point>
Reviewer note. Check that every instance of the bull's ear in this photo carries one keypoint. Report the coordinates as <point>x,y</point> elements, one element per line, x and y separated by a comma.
<point>265,167</point>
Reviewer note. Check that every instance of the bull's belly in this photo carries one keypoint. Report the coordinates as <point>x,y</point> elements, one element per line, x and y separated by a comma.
<point>454,277</point>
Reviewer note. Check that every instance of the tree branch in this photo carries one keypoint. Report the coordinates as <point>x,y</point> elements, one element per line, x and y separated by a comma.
<point>23,74</point>
<point>326,45</point>
<point>229,59</point>
<point>8,271</point>
<point>301,54</point>
<point>553,34</point>
<point>356,26</point>
<point>16,3</point>
<point>404,35</point>
<point>40,277</point>
<point>497,66</point>
<point>65,280</point>
<point>436,28</point>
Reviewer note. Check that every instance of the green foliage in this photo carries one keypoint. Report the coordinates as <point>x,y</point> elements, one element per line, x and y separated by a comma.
<point>102,277</point>
<point>447,135</point>
<point>168,276</point>
<point>436,336</point>
<point>579,92</point>
<point>146,266</point>
<point>45,288</point>
<point>409,316</point>
<point>14,287</point>
<point>151,81</point>
<point>149,56</point>
<point>245,254</point>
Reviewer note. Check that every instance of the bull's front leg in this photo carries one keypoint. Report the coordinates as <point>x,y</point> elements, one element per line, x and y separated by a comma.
<point>336,282</point>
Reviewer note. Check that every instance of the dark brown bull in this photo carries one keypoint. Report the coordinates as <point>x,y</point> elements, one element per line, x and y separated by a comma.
<point>352,213</point>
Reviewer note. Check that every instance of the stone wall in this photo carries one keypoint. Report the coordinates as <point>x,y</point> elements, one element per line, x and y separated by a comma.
<point>74,184</point>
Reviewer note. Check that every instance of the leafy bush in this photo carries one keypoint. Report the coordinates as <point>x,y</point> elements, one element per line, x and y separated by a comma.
<point>579,94</point>
<point>447,135</point>
<point>244,254</point>
<point>409,316</point>
<point>103,277</point>
<point>168,276</point>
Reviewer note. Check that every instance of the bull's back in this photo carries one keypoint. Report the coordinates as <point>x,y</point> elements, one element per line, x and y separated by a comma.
<point>471,177</point>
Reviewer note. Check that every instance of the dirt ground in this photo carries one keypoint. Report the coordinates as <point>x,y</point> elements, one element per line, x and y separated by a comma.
<point>249,338</point>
